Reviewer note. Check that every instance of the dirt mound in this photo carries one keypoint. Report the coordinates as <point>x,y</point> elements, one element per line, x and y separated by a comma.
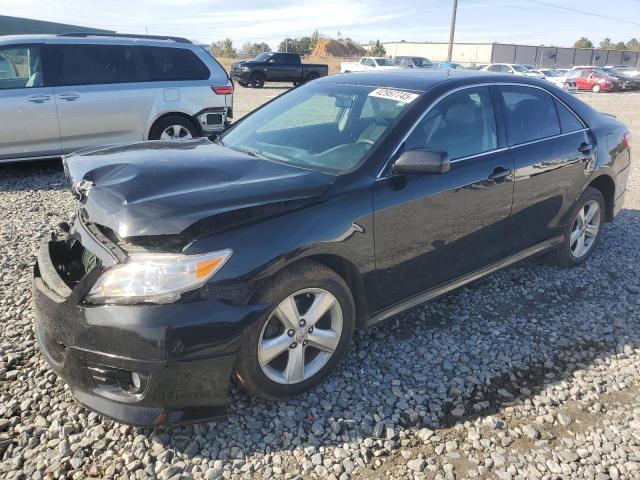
<point>337,48</point>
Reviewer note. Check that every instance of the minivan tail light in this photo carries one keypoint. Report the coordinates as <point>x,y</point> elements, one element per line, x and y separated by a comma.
<point>627,139</point>
<point>223,89</point>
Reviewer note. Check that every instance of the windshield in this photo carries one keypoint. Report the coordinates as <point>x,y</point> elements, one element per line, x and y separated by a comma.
<point>263,57</point>
<point>519,68</point>
<point>551,73</point>
<point>384,62</point>
<point>325,127</point>
<point>422,62</point>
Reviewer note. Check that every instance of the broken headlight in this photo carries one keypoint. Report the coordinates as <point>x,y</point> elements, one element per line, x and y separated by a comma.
<point>156,277</point>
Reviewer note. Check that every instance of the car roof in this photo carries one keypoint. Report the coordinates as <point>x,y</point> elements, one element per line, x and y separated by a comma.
<point>421,80</point>
<point>84,38</point>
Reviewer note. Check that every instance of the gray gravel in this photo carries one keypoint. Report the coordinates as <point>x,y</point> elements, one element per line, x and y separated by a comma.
<point>532,373</point>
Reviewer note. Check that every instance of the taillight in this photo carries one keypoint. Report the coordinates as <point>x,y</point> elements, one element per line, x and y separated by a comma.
<point>223,89</point>
<point>627,139</point>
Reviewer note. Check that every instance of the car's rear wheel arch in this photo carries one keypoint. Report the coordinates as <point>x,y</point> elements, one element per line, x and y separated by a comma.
<point>607,187</point>
<point>187,117</point>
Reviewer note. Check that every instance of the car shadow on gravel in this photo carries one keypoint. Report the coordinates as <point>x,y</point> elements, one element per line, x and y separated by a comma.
<point>491,345</point>
<point>36,175</point>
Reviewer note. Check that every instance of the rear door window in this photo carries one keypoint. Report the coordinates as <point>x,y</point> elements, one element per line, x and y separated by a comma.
<point>530,114</point>
<point>167,64</point>
<point>462,124</point>
<point>20,67</point>
<point>94,64</point>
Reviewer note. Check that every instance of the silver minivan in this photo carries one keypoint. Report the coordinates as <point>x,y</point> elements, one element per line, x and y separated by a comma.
<point>61,93</point>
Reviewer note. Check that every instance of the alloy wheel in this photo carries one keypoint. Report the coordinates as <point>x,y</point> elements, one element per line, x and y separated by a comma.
<point>176,132</point>
<point>300,336</point>
<point>585,229</point>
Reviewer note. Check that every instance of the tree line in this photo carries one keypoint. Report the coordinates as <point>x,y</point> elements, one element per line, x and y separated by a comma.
<point>607,44</point>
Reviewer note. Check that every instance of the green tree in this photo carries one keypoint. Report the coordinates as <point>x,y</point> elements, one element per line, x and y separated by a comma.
<point>227,49</point>
<point>378,50</point>
<point>633,44</point>
<point>606,44</point>
<point>216,48</point>
<point>620,46</point>
<point>583,42</point>
<point>315,36</point>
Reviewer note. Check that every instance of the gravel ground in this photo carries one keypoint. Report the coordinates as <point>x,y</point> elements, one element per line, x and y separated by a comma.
<point>531,373</point>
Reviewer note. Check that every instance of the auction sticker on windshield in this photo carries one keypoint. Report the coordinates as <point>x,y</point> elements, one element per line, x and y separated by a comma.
<point>397,95</point>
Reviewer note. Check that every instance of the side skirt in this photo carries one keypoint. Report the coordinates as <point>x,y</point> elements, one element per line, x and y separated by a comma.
<point>463,280</point>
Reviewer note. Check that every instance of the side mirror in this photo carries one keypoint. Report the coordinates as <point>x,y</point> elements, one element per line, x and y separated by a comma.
<point>422,162</point>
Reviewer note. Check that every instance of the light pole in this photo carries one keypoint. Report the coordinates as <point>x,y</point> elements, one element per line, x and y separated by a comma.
<point>452,29</point>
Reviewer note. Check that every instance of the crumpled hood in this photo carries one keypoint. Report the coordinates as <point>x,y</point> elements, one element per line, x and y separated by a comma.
<point>162,188</point>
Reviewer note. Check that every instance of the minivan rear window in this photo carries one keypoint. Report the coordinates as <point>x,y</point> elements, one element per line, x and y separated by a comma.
<point>94,64</point>
<point>166,64</point>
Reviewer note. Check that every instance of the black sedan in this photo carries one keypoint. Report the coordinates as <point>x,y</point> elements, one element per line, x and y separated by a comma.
<point>333,207</point>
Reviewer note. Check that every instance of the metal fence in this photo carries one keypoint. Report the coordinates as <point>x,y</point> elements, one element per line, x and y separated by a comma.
<point>562,57</point>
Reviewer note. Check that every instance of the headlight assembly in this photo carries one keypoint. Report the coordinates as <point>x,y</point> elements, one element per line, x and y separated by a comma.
<point>156,277</point>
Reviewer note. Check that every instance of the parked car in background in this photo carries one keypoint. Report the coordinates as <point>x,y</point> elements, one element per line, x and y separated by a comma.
<point>450,65</point>
<point>625,82</point>
<point>101,89</point>
<point>276,67</point>
<point>529,66</point>
<point>335,206</point>
<point>513,69</point>
<point>413,62</point>
<point>593,79</point>
<point>558,79</point>
<point>368,63</point>
<point>633,72</point>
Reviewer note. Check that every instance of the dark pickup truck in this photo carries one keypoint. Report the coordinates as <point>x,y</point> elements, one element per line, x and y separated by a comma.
<point>276,67</point>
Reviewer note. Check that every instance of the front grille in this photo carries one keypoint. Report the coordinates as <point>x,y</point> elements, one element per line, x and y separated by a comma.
<point>72,261</point>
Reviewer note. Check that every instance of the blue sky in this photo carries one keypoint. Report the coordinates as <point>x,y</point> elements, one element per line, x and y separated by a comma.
<point>518,21</point>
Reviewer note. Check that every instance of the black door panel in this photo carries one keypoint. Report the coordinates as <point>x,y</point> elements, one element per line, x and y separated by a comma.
<point>549,177</point>
<point>433,228</point>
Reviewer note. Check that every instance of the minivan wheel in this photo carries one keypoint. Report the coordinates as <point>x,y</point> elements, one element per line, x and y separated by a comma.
<point>595,88</point>
<point>257,80</point>
<point>304,336</point>
<point>583,231</point>
<point>173,127</point>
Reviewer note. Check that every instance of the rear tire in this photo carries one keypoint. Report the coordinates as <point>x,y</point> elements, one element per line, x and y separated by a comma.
<point>257,80</point>
<point>583,231</point>
<point>280,355</point>
<point>312,76</point>
<point>174,127</point>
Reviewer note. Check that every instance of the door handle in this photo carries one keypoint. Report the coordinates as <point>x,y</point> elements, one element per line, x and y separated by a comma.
<point>585,148</point>
<point>69,96</point>
<point>499,174</point>
<point>39,98</point>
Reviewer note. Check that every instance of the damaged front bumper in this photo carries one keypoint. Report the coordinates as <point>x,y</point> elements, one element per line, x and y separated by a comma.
<point>140,364</point>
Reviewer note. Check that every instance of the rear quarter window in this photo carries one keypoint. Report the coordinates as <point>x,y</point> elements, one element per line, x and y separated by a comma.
<point>167,64</point>
<point>568,121</point>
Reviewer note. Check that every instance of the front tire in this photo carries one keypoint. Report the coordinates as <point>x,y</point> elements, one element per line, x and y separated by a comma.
<point>595,88</point>
<point>303,338</point>
<point>257,80</point>
<point>583,231</point>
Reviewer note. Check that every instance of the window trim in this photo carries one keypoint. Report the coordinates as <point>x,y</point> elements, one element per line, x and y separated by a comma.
<point>497,150</point>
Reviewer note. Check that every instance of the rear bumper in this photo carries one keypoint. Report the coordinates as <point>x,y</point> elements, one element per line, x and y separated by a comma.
<point>183,354</point>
